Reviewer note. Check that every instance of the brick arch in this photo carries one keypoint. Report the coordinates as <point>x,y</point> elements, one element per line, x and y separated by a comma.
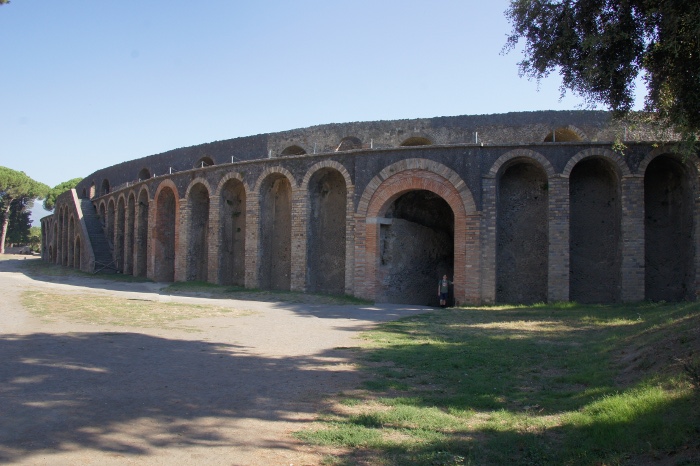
<point>528,154</point>
<point>142,189</point>
<point>571,128</point>
<point>225,179</point>
<point>425,165</point>
<point>197,180</point>
<point>416,174</point>
<point>326,164</point>
<point>693,165</point>
<point>615,159</point>
<point>275,170</point>
<point>165,251</point>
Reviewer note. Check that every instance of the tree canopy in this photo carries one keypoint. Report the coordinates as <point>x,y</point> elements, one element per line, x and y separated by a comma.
<point>15,185</point>
<point>601,46</point>
<point>50,200</point>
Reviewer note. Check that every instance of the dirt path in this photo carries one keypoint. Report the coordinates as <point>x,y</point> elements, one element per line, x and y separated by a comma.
<point>230,392</point>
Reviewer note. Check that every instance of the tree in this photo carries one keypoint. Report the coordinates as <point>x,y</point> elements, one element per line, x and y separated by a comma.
<point>601,46</point>
<point>19,221</point>
<point>14,185</point>
<point>50,200</point>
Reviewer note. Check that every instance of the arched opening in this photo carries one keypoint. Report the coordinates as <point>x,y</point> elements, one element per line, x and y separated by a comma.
<point>109,224</point>
<point>668,231</point>
<point>275,233</point>
<point>119,235</point>
<point>293,150</point>
<point>416,141</point>
<point>71,233</point>
<point>349,143</point>
<point>198,233</point>
<point>76,260</point>
<point>144,174</point>
<point>58,233</point>
<point>164,236</point>
<point>416,248</point>
<point>129,235</point>
<point>105,187</point>
<point>56,240</point>
<point>232,230</point>
<point>595,233</point>
<point>204,162</point>
<point>92,190</point>
<point>563,135</point>
<point>141,241</point>
<point>522,240</point>
<point>64,236</point>
<point>103,218</point>
<point>326,232</point>
<point>51,253</point>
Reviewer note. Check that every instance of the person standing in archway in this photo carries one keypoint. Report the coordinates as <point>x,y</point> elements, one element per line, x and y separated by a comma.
<point>444,290</point>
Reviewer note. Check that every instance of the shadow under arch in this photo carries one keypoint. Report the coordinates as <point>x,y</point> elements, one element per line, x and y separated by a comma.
<point>165,232</point>
<point>420,175</point>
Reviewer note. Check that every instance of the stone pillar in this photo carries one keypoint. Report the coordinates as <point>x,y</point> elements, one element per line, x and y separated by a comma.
<point>252,236</point>
<point>182,236</point>
<point>214,239</point>
<point>470,290</point>
<point>151,247</point>
<point>632,279</point>
<point>350,242</point>
<point>360,271</point>
<point>558,218</point>
<point>300,203</point>
<point>488,240</point>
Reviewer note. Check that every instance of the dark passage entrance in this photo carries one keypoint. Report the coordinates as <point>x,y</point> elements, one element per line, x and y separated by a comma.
<point>668,231</point>
<point>416,248</point>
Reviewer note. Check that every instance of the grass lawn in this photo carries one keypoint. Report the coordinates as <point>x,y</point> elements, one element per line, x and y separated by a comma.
<point>545,384</point>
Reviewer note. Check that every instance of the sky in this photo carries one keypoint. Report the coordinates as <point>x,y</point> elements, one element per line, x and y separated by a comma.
<point>88,84</point>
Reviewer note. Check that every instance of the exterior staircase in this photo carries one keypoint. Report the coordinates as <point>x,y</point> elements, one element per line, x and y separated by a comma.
<point>101,247</point>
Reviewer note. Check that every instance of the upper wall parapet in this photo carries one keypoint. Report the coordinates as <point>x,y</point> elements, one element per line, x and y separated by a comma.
<point>500,129</point>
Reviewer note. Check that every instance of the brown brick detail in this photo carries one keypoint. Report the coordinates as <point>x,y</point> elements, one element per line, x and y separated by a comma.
<point>442,182</point>
<point>616,159</point>
<point>558,218</point>
<point>538,158</point>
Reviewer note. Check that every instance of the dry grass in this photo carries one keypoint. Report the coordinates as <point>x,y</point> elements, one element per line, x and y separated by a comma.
<point>98,309</point>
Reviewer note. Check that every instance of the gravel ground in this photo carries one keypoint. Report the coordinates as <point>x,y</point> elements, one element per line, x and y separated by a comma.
<point>231,392</point>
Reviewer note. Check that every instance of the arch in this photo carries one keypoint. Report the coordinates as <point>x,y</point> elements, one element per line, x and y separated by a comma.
<point>506,159</point>
<point>412,175</point>
<point>105,187</point>
<point>293,150</point>
<point>565,134</point>
<point>165,232</point>
<point>119,233</point>
<point>232,193</point>
<point>141,234</point>
<point>144,174</point>
<point>129,234</point>
<point>669,211</point>
<point>92,190</point>
<point>204,162</point>
<point>71,242</point>
<point>613,158</point>
<point>275,171</point>
<point>275,197</point>
<point>77,256</point>
<point>349,143</point>
<point>416,141</point>
<point>595,231</point>
<point>326,231</point>
<point>109,222</point>
<point>522,233</point>
<point>198,231</point>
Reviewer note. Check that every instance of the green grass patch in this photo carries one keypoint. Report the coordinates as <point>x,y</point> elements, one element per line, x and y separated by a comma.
<point>559,384</point>
<point>108,310</point>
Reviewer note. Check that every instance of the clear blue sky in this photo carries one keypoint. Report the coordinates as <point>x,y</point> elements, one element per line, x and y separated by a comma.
<point>87,84</point>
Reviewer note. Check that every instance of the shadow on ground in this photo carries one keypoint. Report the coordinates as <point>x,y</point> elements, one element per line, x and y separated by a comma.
<point>130,393</point>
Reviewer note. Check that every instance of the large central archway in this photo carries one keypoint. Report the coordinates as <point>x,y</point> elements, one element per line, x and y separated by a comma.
<point>416,247</point>
<point>435,187</point>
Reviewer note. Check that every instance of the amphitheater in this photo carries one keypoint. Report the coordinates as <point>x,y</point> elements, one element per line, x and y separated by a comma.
<point>516,208</point>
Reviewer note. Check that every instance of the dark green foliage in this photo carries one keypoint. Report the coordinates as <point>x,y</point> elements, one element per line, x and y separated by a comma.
<point>19,220</point>
<point>600,47</point>
<point>50,200</point>
<point>15,185</point>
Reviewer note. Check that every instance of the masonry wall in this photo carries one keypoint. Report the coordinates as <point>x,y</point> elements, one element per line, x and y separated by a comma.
<point>521,222</point>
